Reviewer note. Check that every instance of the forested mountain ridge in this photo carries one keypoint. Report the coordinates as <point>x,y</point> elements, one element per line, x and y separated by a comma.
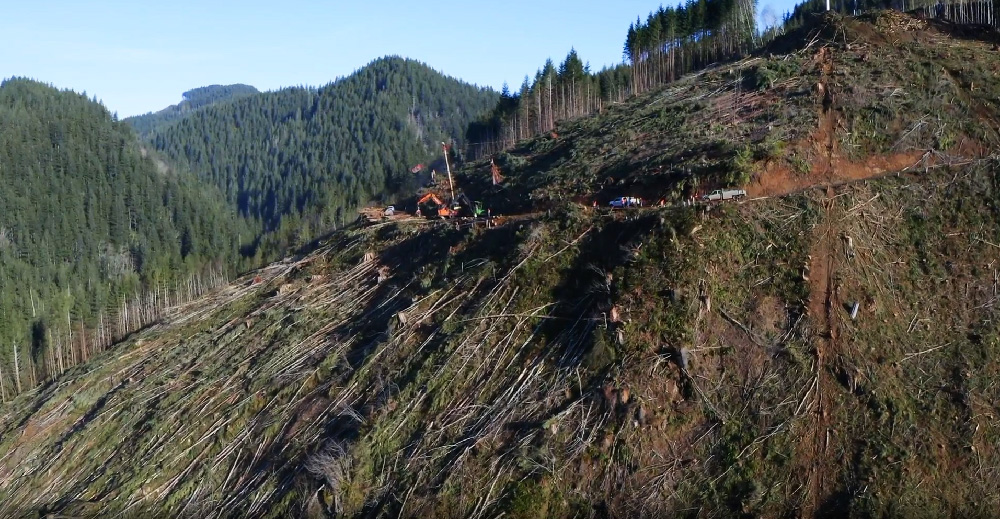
<point>193,99</point>
<point>88,220</point>
<point>316,154</point>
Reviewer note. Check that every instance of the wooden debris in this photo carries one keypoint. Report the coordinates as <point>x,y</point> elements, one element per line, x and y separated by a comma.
<point>610,396</point>
<point>848,245</point>
<point>741,326</point>
<point>673,393</point>
<point>685,358</point>
<point>891,22</point>
<point>909,356</point>
<point>704,297</point>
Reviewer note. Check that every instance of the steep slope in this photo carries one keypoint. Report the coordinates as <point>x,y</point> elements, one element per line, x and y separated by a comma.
<point>323,152</point>
<point>577,366</point>
<point>86,221</point>
<point>869,95</point>
<point>824,353</point>
<point>193,99</point>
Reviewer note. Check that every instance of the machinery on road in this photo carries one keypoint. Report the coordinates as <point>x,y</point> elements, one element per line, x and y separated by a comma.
<point>431,205</point>
<point>475,208</point>
<point>376,214</point>
<point>724,194</point>
<point>626,201</point>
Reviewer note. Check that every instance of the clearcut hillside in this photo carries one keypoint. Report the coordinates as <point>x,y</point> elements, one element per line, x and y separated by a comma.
<point>839,99</point>
<point>827,348</point>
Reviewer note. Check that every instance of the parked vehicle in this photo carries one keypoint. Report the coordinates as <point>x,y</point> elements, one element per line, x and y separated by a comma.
<point>724,194</point>
<point>626,201</point>
<point>375,214</point>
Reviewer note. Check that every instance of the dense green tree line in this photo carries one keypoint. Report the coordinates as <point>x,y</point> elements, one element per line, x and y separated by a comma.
<point>193,99</point>
<point>671,42</point>
<point>675,41</point>
<point>983,12</point>
<point>798,15</point>
<point>300,160</point>
<point>203,96</point>
<point>555,93</point>
<point>87,219</point>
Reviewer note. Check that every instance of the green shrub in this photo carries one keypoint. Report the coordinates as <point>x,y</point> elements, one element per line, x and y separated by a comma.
<point>740,167</point>
<point>762,77</point>
<point>799,164</point>
<point>533,498</point>
<point>770,149</point>
<point>509,162</point>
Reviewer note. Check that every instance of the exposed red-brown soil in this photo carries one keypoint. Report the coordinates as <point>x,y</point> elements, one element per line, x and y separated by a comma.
<point>815,451</point>
<point>779,179</point>
<point>821,150</point>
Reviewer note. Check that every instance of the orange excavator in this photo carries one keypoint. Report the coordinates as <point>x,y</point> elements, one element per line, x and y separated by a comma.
<point>436,206</point>
<point>434,202</point>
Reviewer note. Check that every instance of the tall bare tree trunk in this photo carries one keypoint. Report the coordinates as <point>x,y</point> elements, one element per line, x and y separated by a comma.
<point>59,355</point>
<point>551,121</point>
<point>122,318</point>
<point>17,371</point>
<point>84,352</point>
<point>100,331</point>
<point>33,371</point>
<point>69,337</point>
<point>538,114</point>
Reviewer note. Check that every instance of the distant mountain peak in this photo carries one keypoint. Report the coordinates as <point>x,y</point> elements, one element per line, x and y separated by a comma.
<point>192,100</point>
<point>205,95</point>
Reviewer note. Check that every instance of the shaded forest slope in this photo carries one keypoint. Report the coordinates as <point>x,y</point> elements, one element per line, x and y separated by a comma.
<point>87,219</point>
<point>829,352</point>
<point>315,155</point>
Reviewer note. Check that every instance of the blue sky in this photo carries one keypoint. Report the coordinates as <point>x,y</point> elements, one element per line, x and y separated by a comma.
<point>138,56</point>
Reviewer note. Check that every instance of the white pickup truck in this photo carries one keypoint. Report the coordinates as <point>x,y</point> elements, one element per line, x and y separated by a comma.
<point>724,194</point>
<point>626,201</point>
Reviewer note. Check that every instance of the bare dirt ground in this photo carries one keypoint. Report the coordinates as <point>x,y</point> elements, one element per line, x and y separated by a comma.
<point>779,179</point>
<point>828,165</point>
<point>823,301</point>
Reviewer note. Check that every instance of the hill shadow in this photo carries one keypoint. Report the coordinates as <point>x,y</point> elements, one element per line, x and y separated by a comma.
<point>587,290</point>
<point>966,31</point>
